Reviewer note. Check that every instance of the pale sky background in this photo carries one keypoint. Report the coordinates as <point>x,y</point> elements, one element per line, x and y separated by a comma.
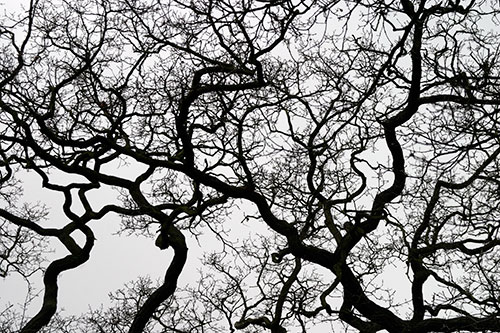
<point>115,260</point>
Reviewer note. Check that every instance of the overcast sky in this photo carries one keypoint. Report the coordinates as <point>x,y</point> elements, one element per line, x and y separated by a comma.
<point>115,260</point>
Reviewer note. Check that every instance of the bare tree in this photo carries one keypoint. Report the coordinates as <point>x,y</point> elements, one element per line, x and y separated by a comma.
<point>355,138</point>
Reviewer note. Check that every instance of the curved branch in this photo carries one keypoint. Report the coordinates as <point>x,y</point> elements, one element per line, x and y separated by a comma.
<point>145,313</point>
<point>51,275</point>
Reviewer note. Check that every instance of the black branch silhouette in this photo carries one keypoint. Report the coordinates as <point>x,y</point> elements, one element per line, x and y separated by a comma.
<point>356,142</point>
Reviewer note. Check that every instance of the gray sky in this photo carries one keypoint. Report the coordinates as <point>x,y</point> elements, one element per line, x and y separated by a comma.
<point>115,260</point>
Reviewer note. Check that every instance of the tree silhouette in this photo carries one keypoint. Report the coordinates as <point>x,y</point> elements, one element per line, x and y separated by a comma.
<point>355,138</point>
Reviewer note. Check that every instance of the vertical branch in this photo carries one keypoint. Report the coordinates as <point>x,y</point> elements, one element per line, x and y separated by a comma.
<point>145,313</point>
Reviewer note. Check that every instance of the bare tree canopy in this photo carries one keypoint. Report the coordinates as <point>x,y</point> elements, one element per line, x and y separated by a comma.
<point>358,139</point>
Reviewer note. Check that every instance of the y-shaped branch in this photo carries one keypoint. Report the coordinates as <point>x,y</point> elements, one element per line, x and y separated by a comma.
<point>71,261</point>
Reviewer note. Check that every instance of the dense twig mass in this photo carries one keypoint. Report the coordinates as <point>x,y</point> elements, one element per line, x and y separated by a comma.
<point>362,134</point>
